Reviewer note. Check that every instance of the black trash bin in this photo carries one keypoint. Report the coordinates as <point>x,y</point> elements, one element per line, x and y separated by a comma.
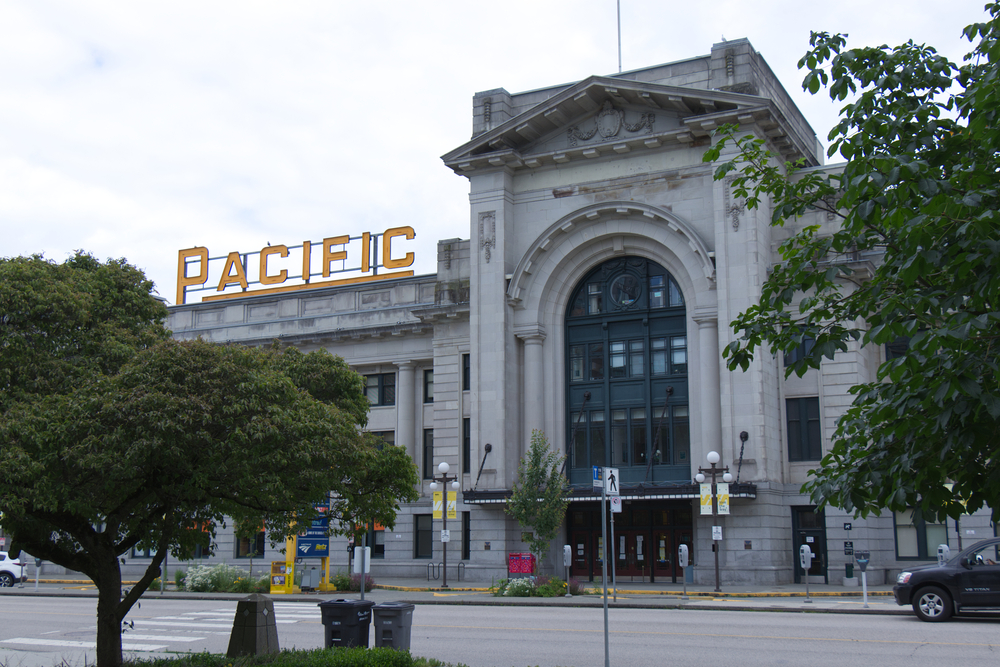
<point>393,621</point>
<point>346,622</point>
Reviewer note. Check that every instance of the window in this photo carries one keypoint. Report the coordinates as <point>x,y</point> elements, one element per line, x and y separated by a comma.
<point>388,437</point>
<point>804,441</point>
<point>428,453</point>
<point>142,553</point>
<point>466,372</point>
<point>250,547</point>
<point>800,352</point>
<point>467,445</point>
<point>466,535</point>
<point>423,545</point>
<point>376,539</point>
<point>428,386</point>
<point>917,539</point>
<point>381,388</point>
<point>897,348</point>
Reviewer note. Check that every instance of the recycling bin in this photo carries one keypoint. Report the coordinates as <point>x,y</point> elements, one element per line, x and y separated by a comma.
<point>393,622</point>
<point>346,622</point>
<point>849,570</point>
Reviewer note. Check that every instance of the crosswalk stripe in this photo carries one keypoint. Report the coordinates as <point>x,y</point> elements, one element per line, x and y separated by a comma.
<point>65,643</point>
<point>173,624</point>
<point>162,638</point>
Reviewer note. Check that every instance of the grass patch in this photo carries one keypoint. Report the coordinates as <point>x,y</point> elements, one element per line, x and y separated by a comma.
<point>334,657</point>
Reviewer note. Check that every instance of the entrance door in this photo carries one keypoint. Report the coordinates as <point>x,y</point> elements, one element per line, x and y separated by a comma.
<point>632,554</point>
<point>809,527</point>
<point>663,556</point>
<point>580,543</point>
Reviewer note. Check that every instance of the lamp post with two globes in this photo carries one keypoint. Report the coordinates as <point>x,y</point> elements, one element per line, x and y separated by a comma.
<point>442,481</point>
<point>713,458</point>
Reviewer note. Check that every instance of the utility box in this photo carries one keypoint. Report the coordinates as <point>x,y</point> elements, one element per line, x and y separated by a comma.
<point>254,629</point>
<point>346,622</point>
<point>393,622</point>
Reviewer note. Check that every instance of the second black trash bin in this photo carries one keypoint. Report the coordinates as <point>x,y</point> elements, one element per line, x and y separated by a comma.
<point>393,622</point>
<point>346,622</point>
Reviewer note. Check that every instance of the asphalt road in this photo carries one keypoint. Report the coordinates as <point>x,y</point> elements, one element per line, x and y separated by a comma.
<point>44,632</point>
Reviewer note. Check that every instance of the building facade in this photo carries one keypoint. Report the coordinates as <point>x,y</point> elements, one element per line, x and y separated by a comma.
<point>590,301</point>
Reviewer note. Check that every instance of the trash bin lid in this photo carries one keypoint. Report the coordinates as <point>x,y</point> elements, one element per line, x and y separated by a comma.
<point>393,607</point>
<point>347,603</point>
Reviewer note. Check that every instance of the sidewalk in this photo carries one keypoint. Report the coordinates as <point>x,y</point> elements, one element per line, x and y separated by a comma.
<point>790,597</point>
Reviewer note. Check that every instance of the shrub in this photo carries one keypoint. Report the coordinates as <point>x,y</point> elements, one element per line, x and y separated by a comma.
<point>179,578</point>
<point>351,582</point>
<point>520,588</point>
<point>549,588</point>
<point>574,587</point>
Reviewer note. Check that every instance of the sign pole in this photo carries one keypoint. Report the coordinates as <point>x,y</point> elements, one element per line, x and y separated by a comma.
<point>614,559</point>
<point>604,569</point>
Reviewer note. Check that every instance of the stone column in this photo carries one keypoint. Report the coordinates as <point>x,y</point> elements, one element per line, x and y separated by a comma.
<point>710,398</point>
<point>405,398</point>
<point>533,395</point>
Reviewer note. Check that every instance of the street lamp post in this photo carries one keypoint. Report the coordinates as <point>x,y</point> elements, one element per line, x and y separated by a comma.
<point>443,480</point>
<point>713,458</point>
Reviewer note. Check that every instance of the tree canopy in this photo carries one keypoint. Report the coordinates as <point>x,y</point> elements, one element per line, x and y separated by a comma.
<point>918,193</point>
<point>539,497</point>
<point>116,436</point>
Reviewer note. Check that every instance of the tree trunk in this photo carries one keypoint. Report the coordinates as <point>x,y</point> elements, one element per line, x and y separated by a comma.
<point>109,620</point>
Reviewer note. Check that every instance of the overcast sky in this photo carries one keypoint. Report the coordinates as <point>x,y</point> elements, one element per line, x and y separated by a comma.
<point>135,129</point>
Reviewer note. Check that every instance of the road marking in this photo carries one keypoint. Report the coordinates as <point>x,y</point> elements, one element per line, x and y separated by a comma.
<point>65,643</point>
<point>145,622</point>
<point>162,638</point>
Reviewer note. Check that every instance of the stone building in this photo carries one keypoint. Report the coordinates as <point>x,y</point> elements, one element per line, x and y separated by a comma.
<point>591,301</point>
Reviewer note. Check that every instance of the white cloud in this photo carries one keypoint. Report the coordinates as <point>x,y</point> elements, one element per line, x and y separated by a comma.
<point>137,129</point>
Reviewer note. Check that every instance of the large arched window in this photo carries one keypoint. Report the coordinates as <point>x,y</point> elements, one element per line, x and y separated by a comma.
<point>626,345</point>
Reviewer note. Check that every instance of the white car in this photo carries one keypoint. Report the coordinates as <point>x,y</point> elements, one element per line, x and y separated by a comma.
<point>11,570</point>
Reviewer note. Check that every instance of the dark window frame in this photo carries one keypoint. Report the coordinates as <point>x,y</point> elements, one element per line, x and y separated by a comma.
<point>804,443</point>
<point>466,372</point>
<point>428,454</point>
<point>423,536</point>
<point>384,389</point>
<point>467,445</point>
<point>429,385</point>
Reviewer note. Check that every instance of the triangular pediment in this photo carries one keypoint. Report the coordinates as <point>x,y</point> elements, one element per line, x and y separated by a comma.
<point>604,115</point>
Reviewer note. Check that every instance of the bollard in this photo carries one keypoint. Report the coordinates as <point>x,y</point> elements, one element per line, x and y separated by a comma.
<point>254,629</point>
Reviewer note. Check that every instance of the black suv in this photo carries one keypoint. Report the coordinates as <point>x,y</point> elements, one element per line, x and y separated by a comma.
<point>970,580</point>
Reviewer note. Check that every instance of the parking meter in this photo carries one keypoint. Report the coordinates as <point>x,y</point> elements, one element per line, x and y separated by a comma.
<point>805,557</point>
<point>944,553</point>
<point>682,555</point>
<point>567,555</point>
<point>862,557</point>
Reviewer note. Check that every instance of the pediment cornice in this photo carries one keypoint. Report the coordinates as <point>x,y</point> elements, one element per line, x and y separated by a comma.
<point>603,116</point>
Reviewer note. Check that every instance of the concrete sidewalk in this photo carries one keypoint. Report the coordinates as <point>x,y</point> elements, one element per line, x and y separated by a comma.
<point>790,597</point>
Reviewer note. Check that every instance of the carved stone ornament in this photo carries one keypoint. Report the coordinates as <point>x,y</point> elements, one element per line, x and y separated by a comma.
<point>487,232</point>
<point>609,123</point>
<point>734,206</point>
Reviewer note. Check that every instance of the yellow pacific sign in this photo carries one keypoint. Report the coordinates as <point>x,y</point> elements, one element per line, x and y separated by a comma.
<point>271,269</point>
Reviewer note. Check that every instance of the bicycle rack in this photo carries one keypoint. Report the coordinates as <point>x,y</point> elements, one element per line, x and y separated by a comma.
<point>461,570</point>
<point>433,570</point>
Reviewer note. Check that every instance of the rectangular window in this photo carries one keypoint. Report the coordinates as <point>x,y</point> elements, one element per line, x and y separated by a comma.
<point>657,292</point>
<point>578,430</point>
<point>381,388</point>
<point>637,358</point>
<point>682,436</point>
<point>428,453</point>
<point>917,539</point>
<point>597,438</point>
<point>466,445</point>
<point>466,535</point>
<point>800,352</point>
<point>428,386</point>
<point>423,543</point>
<point>376,539</point>
<point>638,436</point>
<point>576,363</point>
<point>897,348</point>
<point>617,359</point>
<point>597,361</point>
<point>658,356</point>
<point>678,355</point>
<point>619,436</point>
<point>804,440</point>
<point>388,437</point>
<point>466,372</point>
<point>676,298</point>
<point>250,547</point>
<point>594,300</point>
<point>142,553</point>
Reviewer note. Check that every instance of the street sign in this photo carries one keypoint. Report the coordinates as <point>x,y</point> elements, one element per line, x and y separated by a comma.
<point>598,479</point>
<point>716,533</point>
<point>446,536</point>
<point>611,481</point>
<point>616,504</point>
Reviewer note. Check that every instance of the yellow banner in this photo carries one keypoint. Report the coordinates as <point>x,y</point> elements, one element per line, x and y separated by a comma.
<point>452,504</point>
<point>722,490</point>
<point>437,505</point>
<point>706,498</point>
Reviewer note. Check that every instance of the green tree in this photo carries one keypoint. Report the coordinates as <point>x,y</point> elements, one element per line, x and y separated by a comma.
<point>539,497</point>
<point>921,140</point>
<point>117,437</point>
